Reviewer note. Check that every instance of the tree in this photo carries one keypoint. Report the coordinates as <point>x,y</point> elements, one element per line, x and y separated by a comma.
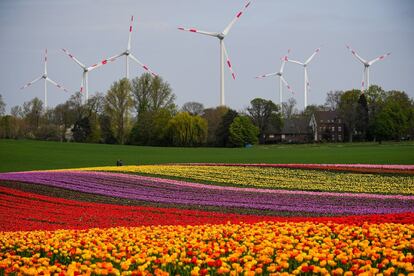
<point>399,109</point>
<point>243,131</point>
<point>214,117</point>
<point>193,108</point>
<point>223,132</point>
<point>107,134</point>
<point>187,130</point>
<point>151,128</point>
<point>289,108</point>
<point>32,113</point>
<point>152,93</point>
<point>118,104</point>
<point>347,108</point>
<point>64,118</point>
<point>266,116</point>
<point>81,130</point>
<point>2,106</point>
<point>375,96</point>
<point>332,99</point>
<point>311,109</point>
<point>17,111</point>
<point>362,122</point>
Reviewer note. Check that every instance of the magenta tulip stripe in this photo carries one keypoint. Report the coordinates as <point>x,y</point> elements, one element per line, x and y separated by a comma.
<point>176,192</point>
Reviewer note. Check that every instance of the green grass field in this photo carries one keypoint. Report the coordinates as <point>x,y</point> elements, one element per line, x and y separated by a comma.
<point>20,155</point>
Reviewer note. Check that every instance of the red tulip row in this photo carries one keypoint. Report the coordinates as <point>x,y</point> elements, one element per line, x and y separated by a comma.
<point>28,211</point>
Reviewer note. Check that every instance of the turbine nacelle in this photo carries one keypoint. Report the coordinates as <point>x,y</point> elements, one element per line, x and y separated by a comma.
<point>44,76</point>
<point>220,36</point>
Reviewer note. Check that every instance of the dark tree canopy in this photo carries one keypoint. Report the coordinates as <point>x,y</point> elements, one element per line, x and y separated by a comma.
<point>194,108</point>
<point>223,132</point>
<point>266,116</point>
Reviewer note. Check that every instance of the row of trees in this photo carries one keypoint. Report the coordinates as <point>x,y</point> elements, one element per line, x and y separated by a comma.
<point>374,115</point>
<point>143,112</point>
<point>139,112</point>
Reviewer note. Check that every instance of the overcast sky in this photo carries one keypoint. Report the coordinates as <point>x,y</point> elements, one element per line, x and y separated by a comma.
<point>93,30</point>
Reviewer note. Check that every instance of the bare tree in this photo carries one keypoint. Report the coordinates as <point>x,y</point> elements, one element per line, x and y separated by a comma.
<point>194,108</point>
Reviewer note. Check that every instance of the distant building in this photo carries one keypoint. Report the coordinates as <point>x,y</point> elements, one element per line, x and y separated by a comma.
<point>295,130</point>
<point>327,126</point>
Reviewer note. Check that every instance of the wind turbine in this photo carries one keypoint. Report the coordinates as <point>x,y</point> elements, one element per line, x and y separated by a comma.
<point>223,51</point>
<point>367,64</point>
<point>306,82</point>
<point>127,53</point>
<point>47,79</point>
<point>281,78</point>
<point>86,70</point>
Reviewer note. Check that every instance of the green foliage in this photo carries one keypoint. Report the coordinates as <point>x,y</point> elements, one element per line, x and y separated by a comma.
<point>266,116</point>
<point>214,117</point>
<point>362,122</point>
<point>222,132</point>
<point>150,128</point>
<point>243,131</point>
<point>348,110</point>
<point>151,94</point>
<point>118,104</point>
<point>187,130</point>
<point>81,130</point>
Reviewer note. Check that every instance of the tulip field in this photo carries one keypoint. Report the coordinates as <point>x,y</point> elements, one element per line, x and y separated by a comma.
<point>209,219</point>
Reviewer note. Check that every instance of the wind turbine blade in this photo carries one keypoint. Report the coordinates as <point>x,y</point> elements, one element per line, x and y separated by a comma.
<point>312,56</point>
<point>238,15</point>
<point>284,60</point>
<point>46,61</point>
<point>198,31</point>
<point>379,58</point>
<point>57,85</point>
<point>295,61</point>
<point>143,66</point>
<point>266,75</point>
<point>130,33</point>
<point>33,81</point>
<point>228,62</point>
<point>74,58</point>
<point>104,61</point>
<point>355,54</point>
<point>287,85</point>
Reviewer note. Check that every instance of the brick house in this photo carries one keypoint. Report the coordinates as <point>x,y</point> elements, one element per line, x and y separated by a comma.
<point>295,130</point>
<point>327,126</point>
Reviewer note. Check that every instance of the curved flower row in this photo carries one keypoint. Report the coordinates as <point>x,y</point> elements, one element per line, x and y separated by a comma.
<point>278,178</point>
<point>233,249</point>
<point>184,193</point>
<point>16,214</point>
<point>363,168</point>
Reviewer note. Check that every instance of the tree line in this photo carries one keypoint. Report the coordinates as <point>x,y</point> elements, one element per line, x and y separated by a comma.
<point>143,112</point>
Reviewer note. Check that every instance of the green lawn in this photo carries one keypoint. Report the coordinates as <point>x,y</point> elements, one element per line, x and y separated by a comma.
<point>33,155</point>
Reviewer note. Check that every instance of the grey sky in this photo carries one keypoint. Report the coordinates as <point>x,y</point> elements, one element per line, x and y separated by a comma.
<point>92,30</point>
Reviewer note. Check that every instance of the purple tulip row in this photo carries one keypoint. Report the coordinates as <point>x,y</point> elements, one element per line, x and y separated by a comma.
<point>184,193</point>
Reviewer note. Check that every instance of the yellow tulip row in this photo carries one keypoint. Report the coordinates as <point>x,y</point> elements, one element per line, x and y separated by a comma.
<point>279,178</point>
<point>232,249</point>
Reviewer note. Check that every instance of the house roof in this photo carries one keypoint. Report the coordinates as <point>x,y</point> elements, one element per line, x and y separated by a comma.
<point>295,126</point>
<point>325,116</point>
